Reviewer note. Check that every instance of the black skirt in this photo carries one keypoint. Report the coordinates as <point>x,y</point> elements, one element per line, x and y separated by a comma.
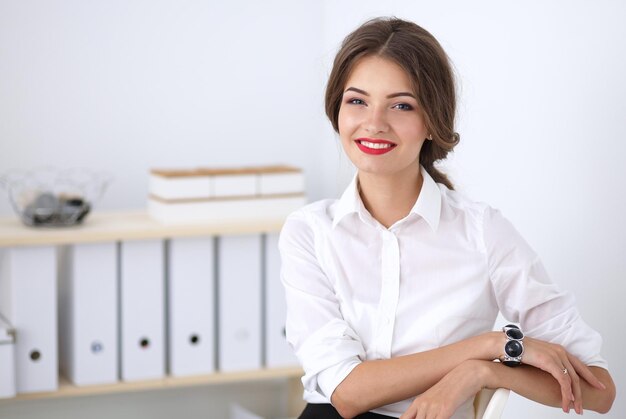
<point>327,411</point>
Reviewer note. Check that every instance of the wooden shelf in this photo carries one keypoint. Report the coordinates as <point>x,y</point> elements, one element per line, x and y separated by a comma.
<point>67,389</point>
<point>128,225</point>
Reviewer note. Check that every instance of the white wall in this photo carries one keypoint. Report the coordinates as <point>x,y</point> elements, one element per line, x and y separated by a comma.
<point>128,85</point>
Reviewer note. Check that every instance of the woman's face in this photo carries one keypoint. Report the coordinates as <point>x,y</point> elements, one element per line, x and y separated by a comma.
<point>380,124</point>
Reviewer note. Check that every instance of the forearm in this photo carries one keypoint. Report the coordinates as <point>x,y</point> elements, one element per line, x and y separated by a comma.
<point>535,384</point>
<point>377,383</point>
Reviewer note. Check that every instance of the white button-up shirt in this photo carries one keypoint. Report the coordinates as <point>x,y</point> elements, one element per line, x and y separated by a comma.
<point>358,291</point>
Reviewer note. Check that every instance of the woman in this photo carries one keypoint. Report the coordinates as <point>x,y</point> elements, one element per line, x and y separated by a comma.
<point>393,289</point>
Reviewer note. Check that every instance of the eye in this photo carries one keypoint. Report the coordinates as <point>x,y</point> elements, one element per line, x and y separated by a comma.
<point>403,107</point>
<point>355,101</point>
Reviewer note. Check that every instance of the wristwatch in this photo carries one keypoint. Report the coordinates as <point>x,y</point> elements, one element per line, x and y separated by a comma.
<point>514,347</point>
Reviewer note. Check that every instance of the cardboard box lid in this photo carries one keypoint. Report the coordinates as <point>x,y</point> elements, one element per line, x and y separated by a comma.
<point>217,171</point>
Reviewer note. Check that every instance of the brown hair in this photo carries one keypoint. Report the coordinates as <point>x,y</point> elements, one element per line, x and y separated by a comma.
<point>422,57</point>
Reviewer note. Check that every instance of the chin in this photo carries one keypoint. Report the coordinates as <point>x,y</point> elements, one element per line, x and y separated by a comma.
<point>373,169</point>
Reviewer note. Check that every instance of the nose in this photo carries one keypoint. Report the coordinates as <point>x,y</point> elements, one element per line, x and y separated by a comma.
<point>376,121</point>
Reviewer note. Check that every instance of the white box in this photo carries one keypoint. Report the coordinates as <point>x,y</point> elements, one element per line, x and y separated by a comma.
<point>239,286</point>
<point>235,185</point>
<point>28,277</point>
<point>227,210</point>
<point>281,183</point>
<point>184,186</point>
<point>191,295</point>
<point>88,308</point>
<point>278,353</point>
<point>7,360</point>
<point>142,312</point>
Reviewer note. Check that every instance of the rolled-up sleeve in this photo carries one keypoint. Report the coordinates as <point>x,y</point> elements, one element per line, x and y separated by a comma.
<point>525,293</point>
<point>326,345</point>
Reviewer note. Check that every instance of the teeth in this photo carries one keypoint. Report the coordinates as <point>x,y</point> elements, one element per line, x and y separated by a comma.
<point>375,145</point>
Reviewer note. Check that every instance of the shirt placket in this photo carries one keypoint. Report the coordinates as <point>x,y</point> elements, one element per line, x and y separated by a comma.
<point>390,289</point>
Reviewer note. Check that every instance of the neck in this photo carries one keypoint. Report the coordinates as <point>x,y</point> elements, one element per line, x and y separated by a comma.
<point>390,198</point>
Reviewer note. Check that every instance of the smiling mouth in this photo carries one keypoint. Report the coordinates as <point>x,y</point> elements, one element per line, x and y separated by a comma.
<point>374,146</point>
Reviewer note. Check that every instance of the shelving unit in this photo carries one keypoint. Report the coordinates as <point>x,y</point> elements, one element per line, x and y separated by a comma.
<point>67,389</point>
<point>137,225</point>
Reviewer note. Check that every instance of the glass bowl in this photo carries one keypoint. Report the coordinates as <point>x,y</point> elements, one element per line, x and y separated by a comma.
<point>52,197</point>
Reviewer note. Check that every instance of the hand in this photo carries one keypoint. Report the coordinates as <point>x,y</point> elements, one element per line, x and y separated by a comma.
<point>564,367</point>
<point>441,400</point>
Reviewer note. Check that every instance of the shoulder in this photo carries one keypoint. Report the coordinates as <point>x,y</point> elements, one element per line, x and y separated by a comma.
<point>302,224</point>
<point>315,212</point>
<point>457,204</point>
<point>494,232</point>
<point>484,214</point>
<point>486,225</point>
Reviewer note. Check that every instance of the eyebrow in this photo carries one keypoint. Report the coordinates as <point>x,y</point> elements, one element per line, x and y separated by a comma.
<point>363,92</point>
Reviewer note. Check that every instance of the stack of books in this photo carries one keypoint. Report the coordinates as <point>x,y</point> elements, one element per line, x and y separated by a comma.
<point>225,194</point>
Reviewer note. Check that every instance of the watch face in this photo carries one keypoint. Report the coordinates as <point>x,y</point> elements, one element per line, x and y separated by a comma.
<point>513,348</point>
<point>514,334</point>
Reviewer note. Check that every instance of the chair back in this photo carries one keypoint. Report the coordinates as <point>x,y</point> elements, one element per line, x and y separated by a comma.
<point>489,404</point>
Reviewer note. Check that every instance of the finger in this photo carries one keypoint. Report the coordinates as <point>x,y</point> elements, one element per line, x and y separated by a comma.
<point>578,395</point>
<point>567,396</point>
<point>548,360</point>
<point>586,373</point>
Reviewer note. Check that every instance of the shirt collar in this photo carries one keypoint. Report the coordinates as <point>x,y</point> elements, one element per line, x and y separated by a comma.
<point>349,203</point>
<point>428,204</point>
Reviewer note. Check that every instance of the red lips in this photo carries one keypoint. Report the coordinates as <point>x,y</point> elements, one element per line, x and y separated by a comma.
<point>374,146</point>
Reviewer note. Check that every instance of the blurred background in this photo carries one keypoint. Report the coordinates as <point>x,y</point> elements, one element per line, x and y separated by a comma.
<point>128,85</point>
